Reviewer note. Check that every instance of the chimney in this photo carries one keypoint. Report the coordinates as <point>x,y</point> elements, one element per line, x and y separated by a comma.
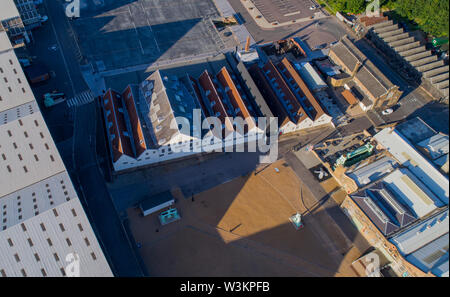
<point>247,44</point>
<point>357,66</point>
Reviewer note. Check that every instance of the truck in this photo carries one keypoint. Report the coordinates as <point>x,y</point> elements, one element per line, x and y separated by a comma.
<point>51,99</point>
<point>37,73</point>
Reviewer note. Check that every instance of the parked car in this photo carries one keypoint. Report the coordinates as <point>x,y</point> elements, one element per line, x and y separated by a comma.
<point>37,73</point>
<point>44,18</point>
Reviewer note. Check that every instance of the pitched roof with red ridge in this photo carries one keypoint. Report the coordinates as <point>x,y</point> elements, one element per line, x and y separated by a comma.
<point>211,93</point>
<point>269,95</point>
<point>120,144</point>
<point>297,113</point>
<point>299,87</point>
<point>138,136</point>
<point>235,98</point>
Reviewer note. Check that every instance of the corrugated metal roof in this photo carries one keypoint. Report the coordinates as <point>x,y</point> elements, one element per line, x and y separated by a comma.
<point>436,145</point>
<point>310,75</point>
<point>39,204</point>
<point>8,10</point>
<point>412,192</point>
<point>408,156</point>
<point>423,233</point>
<point>373,171</point>
<point>433,255</point>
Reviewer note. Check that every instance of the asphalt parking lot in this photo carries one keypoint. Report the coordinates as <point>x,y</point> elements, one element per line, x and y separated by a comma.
<point>284,10</point>
<point>119,34</point>
<point>313,32</point>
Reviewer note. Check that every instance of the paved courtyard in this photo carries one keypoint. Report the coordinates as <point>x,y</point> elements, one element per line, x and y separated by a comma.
<point>241,228</point>
<point>114,34</point>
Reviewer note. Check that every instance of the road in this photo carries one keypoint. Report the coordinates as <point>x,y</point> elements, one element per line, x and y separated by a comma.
<point>79,126</point>
<point>107,224</point>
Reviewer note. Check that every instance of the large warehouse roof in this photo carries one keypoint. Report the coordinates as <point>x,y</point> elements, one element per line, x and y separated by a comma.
<point>412,192</point>
<point>423,233</point>
<point>42,220</point>
<point>9,10</point>
<point>408,156</point>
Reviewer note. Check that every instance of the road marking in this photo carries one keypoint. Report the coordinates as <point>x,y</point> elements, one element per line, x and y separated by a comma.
<point>81,99</point>
<point>60,47</point>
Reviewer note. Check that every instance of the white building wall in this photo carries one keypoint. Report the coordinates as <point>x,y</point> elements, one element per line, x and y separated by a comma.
<point>166,153</point>
<point>40,246</point>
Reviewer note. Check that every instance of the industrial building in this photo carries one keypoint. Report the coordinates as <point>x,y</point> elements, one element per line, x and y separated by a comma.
<point>367,83</point>
<point>401,206</point>
<point>43,226</point>
<point>12,24</point>
<point>312,78</point>
<point>29,14</point>
<point>364,175</point>
<point>401,46</point>
<point>146,123</point>
<point>425,244</point>
<point>288,96</point>
<point>398,145</point>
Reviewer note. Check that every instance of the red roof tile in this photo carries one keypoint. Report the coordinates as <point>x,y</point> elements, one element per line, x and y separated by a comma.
<point>311,104</point>
<point>235,98</point>
<point>138,135</point>
<point>120,144</point>
<point>297,113</point>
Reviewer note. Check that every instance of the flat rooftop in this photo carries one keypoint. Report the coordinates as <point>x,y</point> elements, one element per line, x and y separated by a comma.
<point>9,10</point>
<point>284,10</point>
<point>122,33</point>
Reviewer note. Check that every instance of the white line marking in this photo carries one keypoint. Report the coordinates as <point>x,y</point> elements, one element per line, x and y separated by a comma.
<point>60,48</point>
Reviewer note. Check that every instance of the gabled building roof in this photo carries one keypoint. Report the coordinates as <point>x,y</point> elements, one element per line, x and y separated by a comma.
<point>372,172</point>
<point>130,98</point>
<point>284,94</point>
<point>237,106</point>
<point>253,91</point>
<point>383,208</point>
<point>349,97</point>
<point>215,102</point>
<point>419,235</point>
<point>412,192</point>
<point>269,95</point>
<point>374,81</point>
<point>408,156</point>
<point>301,90</point>
<point>436,146</point>
<point>385,224</point>
<point>120,142</point>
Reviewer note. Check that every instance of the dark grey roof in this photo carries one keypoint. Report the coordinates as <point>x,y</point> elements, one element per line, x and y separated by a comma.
<point>368,74</point>
<point>156,200</point>
<point>253,90</point>
<point>383,209</point>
